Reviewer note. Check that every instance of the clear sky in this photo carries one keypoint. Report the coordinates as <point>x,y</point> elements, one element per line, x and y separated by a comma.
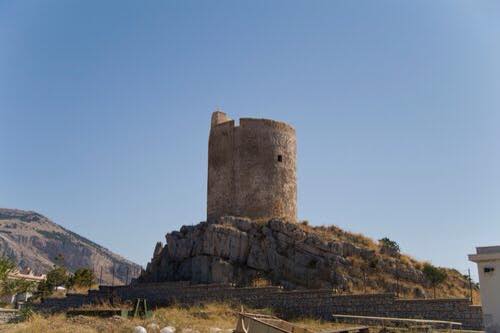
<point>105,110</point>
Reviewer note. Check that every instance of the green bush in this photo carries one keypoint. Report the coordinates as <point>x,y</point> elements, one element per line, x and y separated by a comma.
<point>83,277</point>
<point>435,275</point>
<point>44,290</point>
<point>26,313</point>
<point>56,277</point>
<point>6,266</point>
<point>389,246</point>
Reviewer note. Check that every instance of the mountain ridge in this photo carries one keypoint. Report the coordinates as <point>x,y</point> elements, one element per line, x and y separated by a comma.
<point>33,241</point>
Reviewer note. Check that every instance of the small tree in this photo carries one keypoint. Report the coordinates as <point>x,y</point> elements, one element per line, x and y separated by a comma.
<point>6,266</point>
<point>7,286</point>
<point>389,246</point>
<point>44,289</point>
<point>434,275</point>
<point>25,286</point>
<point>83,277</point>
<point>58,276</point>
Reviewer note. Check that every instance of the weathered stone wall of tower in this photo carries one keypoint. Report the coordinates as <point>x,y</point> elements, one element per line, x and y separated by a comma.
<point>220,191</point>
<point>251,169</point>
<point>265,182</point>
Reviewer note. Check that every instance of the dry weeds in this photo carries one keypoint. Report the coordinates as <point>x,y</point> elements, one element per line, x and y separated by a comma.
<point>200,318</point>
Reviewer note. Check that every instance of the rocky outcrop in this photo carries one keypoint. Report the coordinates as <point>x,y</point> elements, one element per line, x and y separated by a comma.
<point>242,251</point>
<point>33,241</point>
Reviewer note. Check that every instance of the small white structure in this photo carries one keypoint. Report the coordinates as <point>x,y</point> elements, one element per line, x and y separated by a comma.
<point>488,264</point>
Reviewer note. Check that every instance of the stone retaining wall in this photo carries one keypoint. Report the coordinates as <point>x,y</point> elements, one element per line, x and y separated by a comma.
<point>8,315</point>
<point>287,304</point>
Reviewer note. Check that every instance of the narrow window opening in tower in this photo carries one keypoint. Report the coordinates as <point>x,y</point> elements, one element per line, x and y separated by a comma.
<point>280,158</point>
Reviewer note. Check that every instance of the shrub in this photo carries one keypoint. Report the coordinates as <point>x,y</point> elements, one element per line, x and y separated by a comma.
<point>83,277</point>
<point>44,289</point>
<point>26,313</point>
<point>389,246</point>
<point>25,286</point>
<point>435,275</point>
<point>56,277</point>
<point>6,266</point>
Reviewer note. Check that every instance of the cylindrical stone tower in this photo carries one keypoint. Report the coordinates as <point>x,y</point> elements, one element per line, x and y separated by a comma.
<point>251,169</point>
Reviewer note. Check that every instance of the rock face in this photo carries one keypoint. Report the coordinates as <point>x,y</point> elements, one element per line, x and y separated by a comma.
<point>240,251</point>
<point>33,241</point>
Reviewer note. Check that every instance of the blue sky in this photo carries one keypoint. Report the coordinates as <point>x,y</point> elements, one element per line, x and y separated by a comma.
<point>105,111</point>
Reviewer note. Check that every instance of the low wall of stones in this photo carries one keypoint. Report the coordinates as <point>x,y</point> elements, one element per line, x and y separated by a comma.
<point>8,315</point>
<point>287,304</point>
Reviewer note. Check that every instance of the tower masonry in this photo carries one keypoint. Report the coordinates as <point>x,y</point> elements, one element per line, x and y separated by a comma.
<point>251,169</point>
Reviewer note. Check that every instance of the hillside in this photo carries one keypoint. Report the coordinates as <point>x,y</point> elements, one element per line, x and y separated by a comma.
<point>245,252</point>
<point>33,241</point>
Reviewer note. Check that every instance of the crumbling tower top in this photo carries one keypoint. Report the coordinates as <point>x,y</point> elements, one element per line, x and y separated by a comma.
<point>219,117</point>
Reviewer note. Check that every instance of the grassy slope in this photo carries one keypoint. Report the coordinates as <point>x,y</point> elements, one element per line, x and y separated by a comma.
<point>378,280</point>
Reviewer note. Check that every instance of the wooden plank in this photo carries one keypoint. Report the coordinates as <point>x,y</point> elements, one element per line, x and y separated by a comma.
<point>361,329</point>
<point>95,313</point>
<point>409,320</point>
<point>254,323</point>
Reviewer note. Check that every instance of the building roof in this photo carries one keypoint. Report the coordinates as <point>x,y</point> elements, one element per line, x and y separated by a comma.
<point>485,253</point>
<point>26,275</point>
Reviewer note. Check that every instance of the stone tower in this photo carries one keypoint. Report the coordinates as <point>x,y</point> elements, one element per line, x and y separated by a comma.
<point>251,169</point>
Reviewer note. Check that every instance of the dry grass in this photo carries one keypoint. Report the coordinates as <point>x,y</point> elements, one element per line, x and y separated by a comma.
<point>334,233</point>
<point>379,271</point>
<point>366,275</point>
<point>197,318</point>
<point>200,318</point>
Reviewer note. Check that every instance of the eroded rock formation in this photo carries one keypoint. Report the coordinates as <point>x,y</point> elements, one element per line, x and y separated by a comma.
<point>243,252</point>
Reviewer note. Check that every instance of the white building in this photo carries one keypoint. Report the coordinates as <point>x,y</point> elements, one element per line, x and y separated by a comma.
<point>488,264</point>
